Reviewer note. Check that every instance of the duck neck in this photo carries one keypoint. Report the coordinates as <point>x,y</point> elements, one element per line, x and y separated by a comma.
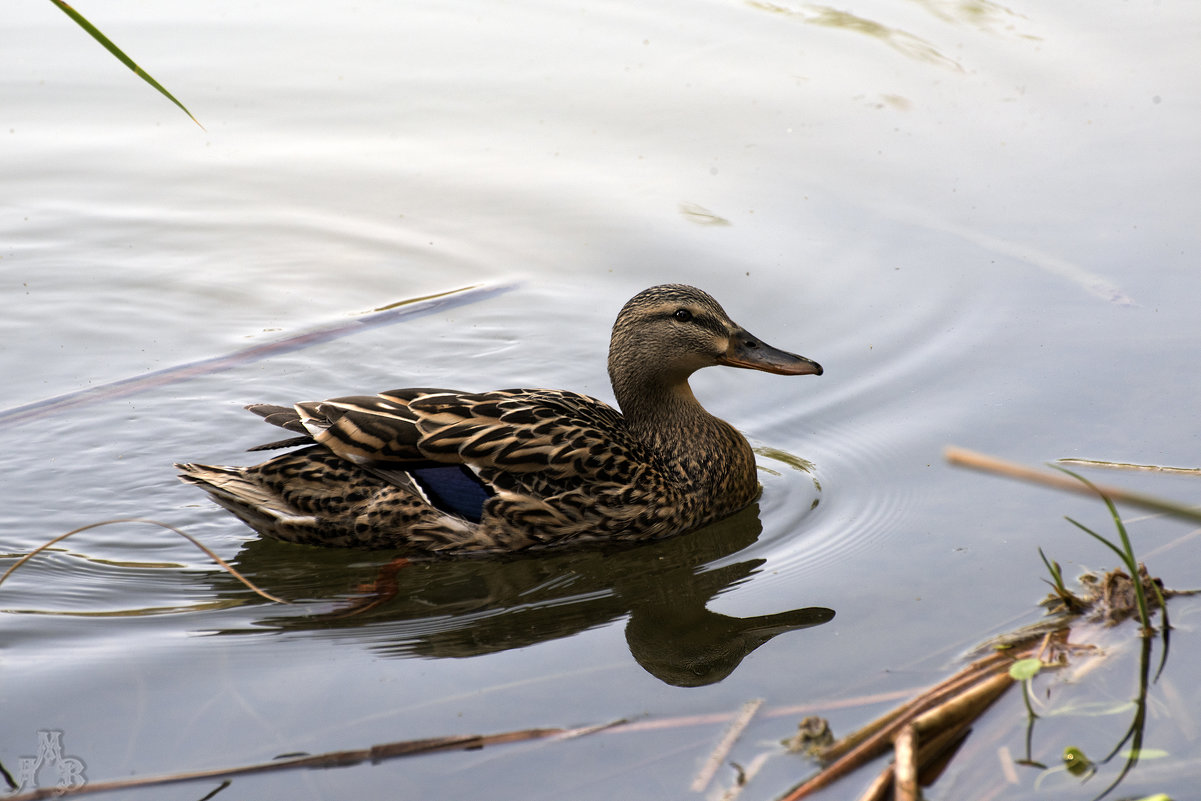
<point>665,411</point>
<point>702,450</point>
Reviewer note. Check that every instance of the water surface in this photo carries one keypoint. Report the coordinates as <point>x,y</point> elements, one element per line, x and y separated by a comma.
<point>979,218</point>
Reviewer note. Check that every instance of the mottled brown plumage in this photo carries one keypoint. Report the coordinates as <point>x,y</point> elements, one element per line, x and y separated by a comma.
<point>410,468</point>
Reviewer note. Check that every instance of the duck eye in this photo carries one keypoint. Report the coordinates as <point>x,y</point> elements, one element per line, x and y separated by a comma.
<point>683,315</point>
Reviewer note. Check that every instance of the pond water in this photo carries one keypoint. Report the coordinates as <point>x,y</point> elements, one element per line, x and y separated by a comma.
<point>980,218</point>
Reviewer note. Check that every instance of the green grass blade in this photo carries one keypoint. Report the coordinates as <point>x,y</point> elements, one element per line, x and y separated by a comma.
<point>116,51</point>
<point>1127,554</point>
<point>1056,573</point>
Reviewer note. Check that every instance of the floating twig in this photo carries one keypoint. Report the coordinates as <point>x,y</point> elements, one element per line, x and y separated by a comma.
<point>331,759</point>
<point>226,566</point>
<point>1150,468</point>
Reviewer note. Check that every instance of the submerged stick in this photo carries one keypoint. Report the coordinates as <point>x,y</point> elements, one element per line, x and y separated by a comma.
<point>722,750</point>
<point>385,315</point>
<point>962,457</point>
<point>331,759</point>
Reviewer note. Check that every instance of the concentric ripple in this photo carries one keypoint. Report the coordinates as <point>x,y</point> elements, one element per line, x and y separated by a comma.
<point>840,505</point>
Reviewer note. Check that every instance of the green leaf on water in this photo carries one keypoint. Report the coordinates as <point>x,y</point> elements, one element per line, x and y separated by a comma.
<point>116,51</point>
<point>1025,669</point>
<point>1076,762</point>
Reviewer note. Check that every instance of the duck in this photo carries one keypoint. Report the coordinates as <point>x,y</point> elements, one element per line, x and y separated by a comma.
<point>449,472</point>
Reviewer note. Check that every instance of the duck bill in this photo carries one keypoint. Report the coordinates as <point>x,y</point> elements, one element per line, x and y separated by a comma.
<point>747,351</point>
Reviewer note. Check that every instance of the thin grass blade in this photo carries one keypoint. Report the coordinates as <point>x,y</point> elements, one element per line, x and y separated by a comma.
<point>95,33</point>
<point>1128,556</point>
<point>1055,571</point>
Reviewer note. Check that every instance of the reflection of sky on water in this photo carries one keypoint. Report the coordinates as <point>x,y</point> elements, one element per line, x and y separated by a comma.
<point>978,217</point>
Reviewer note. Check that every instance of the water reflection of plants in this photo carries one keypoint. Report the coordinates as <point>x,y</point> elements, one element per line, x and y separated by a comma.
<point>1113,598</point>
<point>926,731</point>
<point>1075,761</point>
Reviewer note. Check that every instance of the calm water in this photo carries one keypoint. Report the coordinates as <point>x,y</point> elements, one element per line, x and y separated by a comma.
<point>981,219</point>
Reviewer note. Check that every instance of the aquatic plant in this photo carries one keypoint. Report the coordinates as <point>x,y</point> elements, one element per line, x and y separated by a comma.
<point>1126,554</point>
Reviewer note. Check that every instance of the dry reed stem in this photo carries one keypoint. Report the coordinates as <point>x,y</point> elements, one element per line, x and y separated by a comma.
<point>915,752</point>
<point>1149,468</point>
<point>876,735</point>
<point>991,464</point>
<point>972,688</point>
<point>879,789</point>
<point>967,705</point>
<point>904,766</point>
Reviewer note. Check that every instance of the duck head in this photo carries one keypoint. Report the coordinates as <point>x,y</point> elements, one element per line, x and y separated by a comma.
<point>666,333</point>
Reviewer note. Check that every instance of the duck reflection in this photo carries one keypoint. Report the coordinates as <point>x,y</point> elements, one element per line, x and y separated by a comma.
<point>473,607</point>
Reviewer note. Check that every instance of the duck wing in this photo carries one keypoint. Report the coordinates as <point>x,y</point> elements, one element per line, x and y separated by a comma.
<point>540,441</point>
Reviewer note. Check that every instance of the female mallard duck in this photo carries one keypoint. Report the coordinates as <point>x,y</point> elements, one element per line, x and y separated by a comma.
<point>455,472</point>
